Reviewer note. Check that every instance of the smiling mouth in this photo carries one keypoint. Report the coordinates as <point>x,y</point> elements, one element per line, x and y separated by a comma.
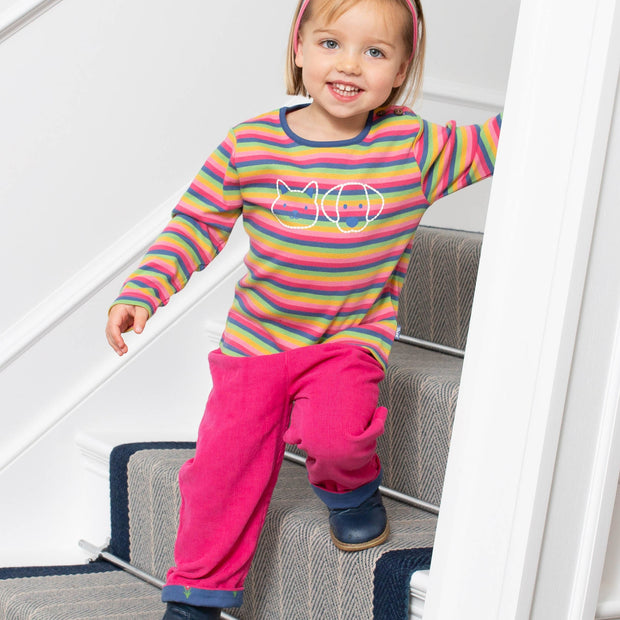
<point>345,90</point>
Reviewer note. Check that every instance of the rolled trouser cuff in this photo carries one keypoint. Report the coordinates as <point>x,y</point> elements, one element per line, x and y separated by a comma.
<point>349,499</point>
<point>202,598</point>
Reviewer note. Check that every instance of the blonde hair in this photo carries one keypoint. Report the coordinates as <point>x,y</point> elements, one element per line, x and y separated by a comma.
<point>332,10</point>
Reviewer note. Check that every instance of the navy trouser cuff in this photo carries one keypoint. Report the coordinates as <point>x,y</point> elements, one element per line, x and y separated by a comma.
<point>350,499</point>
<point>202,598</point>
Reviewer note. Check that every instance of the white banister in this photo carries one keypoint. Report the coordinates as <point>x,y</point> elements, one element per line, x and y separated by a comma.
<point>33,326</point>
<point>21,14</point>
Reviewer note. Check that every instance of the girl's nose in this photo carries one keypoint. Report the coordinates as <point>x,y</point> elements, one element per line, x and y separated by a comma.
<point>349,64</point>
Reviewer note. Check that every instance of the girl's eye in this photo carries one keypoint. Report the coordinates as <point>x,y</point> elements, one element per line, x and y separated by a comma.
<point>330,44</point>
<point>375,53</point>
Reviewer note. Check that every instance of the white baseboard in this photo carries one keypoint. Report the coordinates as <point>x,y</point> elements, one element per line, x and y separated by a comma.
<point>463,94</point>
<point>96,447</point>
<point>417,594</point>
<point>609,610</point>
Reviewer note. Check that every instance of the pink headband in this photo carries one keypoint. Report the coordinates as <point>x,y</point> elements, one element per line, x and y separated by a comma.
<point>411,7</point>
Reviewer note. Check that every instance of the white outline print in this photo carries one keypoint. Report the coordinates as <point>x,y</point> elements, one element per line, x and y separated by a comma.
<point>362,202</point>
<point>304,199</point>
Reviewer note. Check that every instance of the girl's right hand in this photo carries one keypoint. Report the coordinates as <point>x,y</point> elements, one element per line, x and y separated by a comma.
<point>121,319</point>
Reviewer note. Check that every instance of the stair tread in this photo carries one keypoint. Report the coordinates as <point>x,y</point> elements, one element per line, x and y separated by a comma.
<point>89,595</point>
<point>420,391</point>
<point>413,359</point>
<point>435,303</point>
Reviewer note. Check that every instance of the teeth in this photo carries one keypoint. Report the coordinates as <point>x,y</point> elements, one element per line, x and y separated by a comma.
<point>346,89</point>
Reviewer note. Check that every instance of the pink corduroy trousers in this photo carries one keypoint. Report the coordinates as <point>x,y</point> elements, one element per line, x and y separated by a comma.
<point>322,398</point>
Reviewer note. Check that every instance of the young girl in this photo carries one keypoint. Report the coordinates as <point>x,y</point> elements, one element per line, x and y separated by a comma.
<point>331,194</point>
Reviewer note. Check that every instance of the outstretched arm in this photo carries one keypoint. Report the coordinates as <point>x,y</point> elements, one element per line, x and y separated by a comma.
<point>451,157</point>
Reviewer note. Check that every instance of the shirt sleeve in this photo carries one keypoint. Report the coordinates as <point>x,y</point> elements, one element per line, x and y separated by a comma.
<point>200,227</point>
<point>452,157</point>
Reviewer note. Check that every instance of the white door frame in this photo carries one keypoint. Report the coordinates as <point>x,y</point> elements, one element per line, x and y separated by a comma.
<point>509,477</point>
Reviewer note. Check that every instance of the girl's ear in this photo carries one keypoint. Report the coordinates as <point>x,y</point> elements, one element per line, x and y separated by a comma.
<point>401,75</point>
<point>299,56</point>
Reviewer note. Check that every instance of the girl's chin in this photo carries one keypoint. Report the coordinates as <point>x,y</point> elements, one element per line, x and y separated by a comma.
<point>345,115</point>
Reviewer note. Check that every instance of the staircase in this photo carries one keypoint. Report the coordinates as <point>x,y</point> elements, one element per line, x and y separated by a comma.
<point>297,574</point>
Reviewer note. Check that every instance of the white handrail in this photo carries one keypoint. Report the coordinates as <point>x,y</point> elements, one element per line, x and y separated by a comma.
<point>22,13</point>
<point>18,338</point>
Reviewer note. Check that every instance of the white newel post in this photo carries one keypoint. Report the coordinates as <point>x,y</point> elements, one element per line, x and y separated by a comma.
<point>515,538</point>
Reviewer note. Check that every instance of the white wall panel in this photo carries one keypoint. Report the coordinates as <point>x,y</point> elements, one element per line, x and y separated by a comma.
<point>471,42</point>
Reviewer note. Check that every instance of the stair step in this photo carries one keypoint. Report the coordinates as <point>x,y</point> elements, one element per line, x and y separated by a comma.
<point>92,591</point>
<point>297,572</point>
<point>436,300</point>
<point>420,391</point>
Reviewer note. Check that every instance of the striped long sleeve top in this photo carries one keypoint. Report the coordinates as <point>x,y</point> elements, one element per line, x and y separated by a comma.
<point>330,226</point>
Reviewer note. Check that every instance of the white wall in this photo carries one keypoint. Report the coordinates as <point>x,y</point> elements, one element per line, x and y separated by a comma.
<point>469,48</point>
<point>108,109</point>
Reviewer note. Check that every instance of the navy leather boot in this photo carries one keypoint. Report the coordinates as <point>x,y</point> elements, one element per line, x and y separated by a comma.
<point>178,611</point>
<point>361,527</point>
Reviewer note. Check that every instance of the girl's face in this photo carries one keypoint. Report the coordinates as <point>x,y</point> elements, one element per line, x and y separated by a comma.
<point>350,65</point>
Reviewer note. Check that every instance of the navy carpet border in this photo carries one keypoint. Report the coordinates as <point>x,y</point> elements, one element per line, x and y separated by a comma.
<point>119,491</point>
<point>22,572</point>
<point>391,581</point>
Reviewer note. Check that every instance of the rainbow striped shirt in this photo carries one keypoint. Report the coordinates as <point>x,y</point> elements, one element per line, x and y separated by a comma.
<point>330,226</point>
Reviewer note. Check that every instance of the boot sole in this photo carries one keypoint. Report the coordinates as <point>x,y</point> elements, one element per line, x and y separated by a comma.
<point>363,545</point>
